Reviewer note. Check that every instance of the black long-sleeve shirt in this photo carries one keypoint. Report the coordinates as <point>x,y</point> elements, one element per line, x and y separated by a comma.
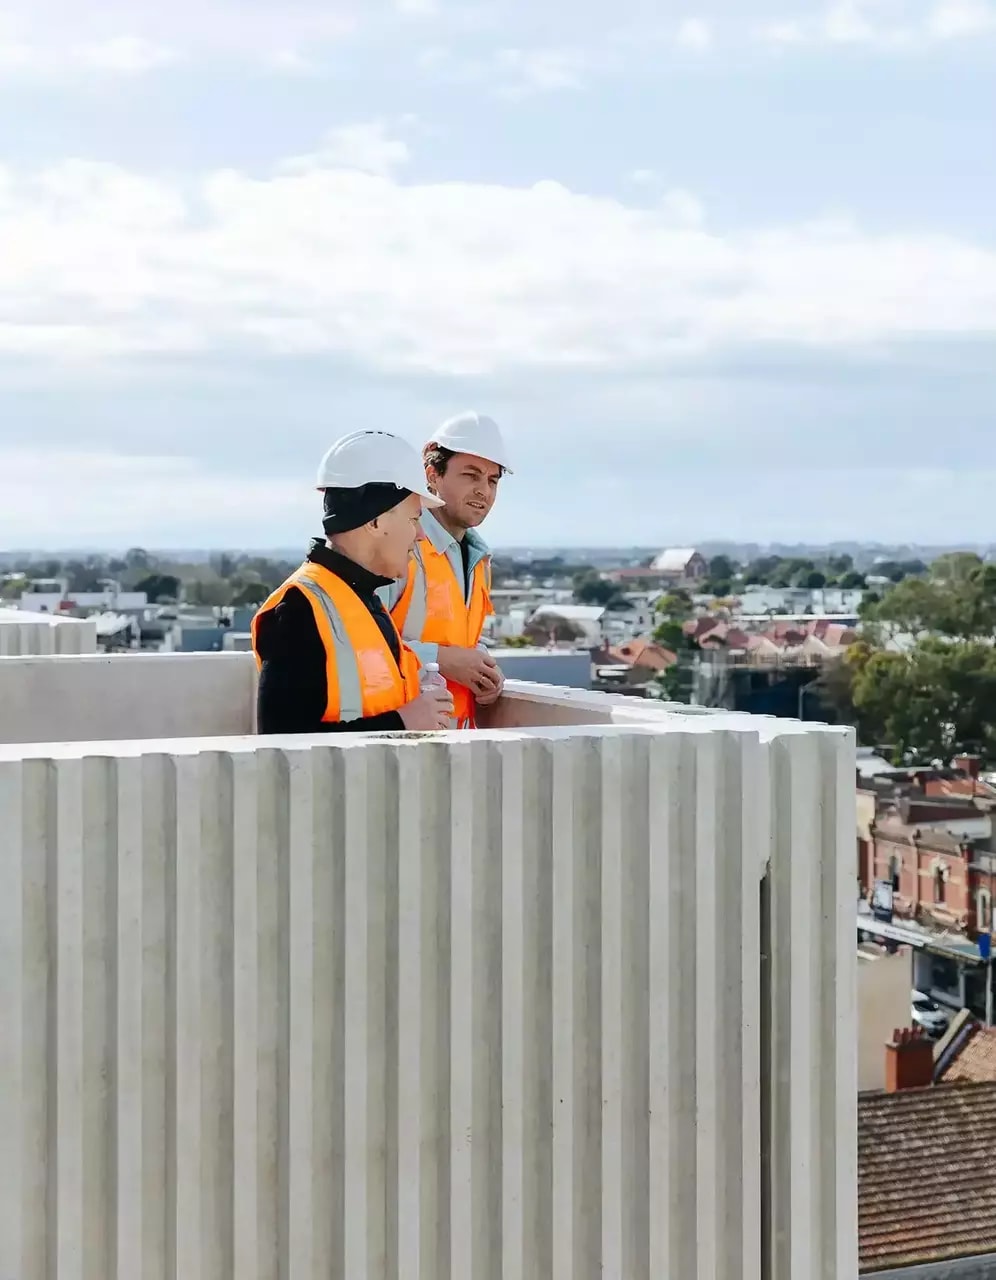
<point>293,684</point>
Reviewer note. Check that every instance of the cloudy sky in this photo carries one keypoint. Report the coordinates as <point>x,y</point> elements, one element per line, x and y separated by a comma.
<point>720,270</point>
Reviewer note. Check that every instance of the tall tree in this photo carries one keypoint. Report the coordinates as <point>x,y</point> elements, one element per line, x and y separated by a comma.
<point>957,600</point>
<point>930,703</point>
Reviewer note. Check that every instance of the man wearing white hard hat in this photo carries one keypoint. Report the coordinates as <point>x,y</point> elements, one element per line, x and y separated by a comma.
<point>442,602</point>
<point>330,657</point>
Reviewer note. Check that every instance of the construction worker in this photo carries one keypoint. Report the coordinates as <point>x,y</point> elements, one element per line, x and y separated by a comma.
<point>441,604</point>
<point>329,655</point>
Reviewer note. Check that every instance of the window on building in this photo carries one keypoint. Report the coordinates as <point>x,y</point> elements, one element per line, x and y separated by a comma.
<point>894,868</point>
<point>984,911</point>
<point>940,885</point>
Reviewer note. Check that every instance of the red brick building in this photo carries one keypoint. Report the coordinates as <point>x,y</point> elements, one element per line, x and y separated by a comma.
<point>929,833</point>
<point>929,871</point>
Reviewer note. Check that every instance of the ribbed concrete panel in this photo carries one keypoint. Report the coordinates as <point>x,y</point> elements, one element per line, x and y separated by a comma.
<point>34,634</point>
<point>812,993</point>
<point>475,1007</point>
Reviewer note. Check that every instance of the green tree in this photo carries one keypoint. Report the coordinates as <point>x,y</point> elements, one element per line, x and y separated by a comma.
<point>897,570</point>
<point>247,593</point>
<point>159,586</point>
<point>957,600</point>
<point>812,580</point>
<point>851,581</point>
<point>589,588</point>
<point>721,567</point>
<point>675,609</point>
<point>138,558</point>
<point>955,567</point>
<point>759,572</point>
<point>209,594</point>
<point>931,703</point>
<point>84,575</point>
<point>722,571</point>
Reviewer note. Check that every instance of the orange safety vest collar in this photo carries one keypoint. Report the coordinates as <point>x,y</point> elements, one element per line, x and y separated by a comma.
<point>362,675</point>
<point>433,610</point>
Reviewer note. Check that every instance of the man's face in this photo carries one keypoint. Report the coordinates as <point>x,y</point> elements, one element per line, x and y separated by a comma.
<point>398,529</point>
<point>469,487</point>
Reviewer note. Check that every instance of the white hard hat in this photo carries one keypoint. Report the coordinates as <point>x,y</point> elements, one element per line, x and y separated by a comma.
<point>374,457</point>
<point>473,433</point>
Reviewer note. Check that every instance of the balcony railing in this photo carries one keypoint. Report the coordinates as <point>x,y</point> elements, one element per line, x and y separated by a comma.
<point>571,996</point>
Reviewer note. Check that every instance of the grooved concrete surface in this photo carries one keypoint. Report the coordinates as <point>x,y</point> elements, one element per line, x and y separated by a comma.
<point>31,633</point>
<point>470,1007</point>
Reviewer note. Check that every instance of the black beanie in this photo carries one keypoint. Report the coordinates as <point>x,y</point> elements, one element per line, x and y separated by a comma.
<point>347,509</point>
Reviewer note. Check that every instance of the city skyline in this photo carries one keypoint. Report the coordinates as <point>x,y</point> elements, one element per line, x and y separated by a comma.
<point>722,273</point>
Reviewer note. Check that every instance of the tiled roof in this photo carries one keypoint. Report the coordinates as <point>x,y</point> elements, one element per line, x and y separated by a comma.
<point>643,652</point>
<point>975,1060</point>
<point>926,1191</point>
<point>929,839</point>
<point>958,786</point>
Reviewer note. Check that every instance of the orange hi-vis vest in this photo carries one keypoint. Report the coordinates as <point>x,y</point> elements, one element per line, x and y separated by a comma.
<point>433,610</point>
<point>362,675</point>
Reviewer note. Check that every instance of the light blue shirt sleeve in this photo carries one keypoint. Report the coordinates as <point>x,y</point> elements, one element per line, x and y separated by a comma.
<point>424,651</point>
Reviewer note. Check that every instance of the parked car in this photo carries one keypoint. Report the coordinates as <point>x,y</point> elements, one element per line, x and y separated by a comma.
<point>929,1014</point>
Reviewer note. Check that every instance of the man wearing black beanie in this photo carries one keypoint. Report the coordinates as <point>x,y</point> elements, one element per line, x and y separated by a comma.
<point>330,658</point>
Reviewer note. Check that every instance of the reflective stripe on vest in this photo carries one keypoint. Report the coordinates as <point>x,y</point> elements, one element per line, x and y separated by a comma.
<point>346,667</point>
<point>413,621</point>
<point>363,678</point>
<point>433,610</point>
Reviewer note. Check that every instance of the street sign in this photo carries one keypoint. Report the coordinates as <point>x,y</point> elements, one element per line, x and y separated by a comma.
<point>985,943</point>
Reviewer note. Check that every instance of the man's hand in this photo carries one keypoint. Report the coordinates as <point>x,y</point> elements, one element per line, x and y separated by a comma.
<point>432,709</point>
<point>475,669</point>
<point>490,696</point>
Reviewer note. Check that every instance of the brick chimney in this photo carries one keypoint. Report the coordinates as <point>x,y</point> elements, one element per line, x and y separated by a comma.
<point>909,1060</point>
<point>968,764</point>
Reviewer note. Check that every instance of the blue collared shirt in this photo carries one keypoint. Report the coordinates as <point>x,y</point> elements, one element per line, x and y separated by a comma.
<point>445,544</point>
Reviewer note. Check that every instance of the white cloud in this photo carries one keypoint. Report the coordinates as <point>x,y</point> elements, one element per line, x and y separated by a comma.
<point>516,73</point>
<point>693,33</point>
<point>886,24</point>
<point>290,62</point>
<point>846,23</point>
<point>527,71</point>
<point>682,208</point>
<point>452,277</point>
<point>125,55</point>
<point>126,36</point>
<point>417,8</point>
<point>953,18</point>
<point>783,33</point>
<point>367,147</point>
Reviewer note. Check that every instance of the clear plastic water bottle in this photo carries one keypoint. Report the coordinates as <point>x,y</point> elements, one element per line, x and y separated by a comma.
<point>431,678</point>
